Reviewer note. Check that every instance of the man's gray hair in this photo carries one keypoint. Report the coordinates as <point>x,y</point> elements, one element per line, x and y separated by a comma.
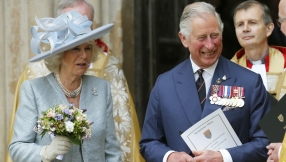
<point>70,3</point>
<point>194,10</point>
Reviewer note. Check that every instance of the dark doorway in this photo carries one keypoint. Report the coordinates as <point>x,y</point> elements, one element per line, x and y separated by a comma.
<point>158,48</point>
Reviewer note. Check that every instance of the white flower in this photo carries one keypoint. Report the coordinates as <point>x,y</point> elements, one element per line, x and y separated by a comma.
<point>112,68</point>
<point>124,145</point>
<point>122,118</point>
<point>119,93</point>
<point>69,126</point>
<point>61,106</point>
<point>71,111</point>
<point>79,118</point>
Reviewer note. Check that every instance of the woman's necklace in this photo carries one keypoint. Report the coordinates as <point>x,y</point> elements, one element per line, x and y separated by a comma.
<point>68,93</point>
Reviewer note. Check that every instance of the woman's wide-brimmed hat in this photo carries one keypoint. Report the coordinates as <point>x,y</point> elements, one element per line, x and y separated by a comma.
<point>62,33</point>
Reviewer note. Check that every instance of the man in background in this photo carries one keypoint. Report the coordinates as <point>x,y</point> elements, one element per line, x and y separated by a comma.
<point>253,25</point>
<point>107,67</point>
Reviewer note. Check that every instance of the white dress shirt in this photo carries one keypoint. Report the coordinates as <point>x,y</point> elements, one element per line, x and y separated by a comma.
<point>259,68</point>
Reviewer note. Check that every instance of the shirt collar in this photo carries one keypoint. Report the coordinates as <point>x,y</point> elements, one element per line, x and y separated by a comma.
<point>261,61</point>
<point>210,70</point>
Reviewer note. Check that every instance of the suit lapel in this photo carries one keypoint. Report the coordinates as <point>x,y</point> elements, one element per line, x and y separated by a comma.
<point>221,72</point>
<point>83,104</point>
<point>187,92</point>
<point>57,89</point>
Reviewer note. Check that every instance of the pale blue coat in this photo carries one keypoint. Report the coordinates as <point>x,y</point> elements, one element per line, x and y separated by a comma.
<point>42,93</point>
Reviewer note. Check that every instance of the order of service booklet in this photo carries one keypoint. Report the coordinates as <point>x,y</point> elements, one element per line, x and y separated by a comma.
<point>213,132</point>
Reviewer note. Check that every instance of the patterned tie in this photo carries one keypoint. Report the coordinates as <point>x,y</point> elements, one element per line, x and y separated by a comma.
<point>200,83</point>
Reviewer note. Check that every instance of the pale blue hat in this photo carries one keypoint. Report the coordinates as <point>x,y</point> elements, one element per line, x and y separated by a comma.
<point>62,33</point>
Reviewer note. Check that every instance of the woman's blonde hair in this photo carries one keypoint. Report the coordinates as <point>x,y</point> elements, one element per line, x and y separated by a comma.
<point>53,63</point>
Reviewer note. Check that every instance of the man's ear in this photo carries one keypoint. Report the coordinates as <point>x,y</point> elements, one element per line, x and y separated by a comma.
<point>269,29</point>
<point>183,40</point>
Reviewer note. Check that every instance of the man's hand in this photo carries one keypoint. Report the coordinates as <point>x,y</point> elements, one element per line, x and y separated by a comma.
<point>273,150</point>
<point>180,157</point>
<point>207,156</point>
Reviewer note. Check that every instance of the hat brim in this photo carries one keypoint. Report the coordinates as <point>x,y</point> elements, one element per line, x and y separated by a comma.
<point>94,34</point>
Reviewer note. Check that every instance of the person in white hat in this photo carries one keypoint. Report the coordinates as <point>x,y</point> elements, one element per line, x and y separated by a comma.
<point>67,46</point>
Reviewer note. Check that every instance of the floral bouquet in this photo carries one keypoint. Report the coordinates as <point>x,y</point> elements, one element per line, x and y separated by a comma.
<point>66,121</point>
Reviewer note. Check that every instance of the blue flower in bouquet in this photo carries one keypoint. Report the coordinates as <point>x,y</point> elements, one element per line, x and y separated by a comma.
<point>66,111</point>
<point>59,117</point>
<point>65,121</point>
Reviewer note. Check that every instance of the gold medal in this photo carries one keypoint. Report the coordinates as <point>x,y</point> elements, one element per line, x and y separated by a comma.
<point>213,98</point>
<point>238,102</point>
<point>242,102</point>
<point>222,102</point>
<point>234,102</point>
<point>226,102</point>
<point>241,96</point>
<point>218,81</point>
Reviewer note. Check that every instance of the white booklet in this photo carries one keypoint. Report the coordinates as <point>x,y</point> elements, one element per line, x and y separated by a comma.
<point>213,132</point>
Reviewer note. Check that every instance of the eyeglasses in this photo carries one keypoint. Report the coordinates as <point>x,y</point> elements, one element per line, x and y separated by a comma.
<point>280,20</point>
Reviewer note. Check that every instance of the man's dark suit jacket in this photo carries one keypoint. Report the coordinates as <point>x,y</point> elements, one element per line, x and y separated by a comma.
<point>174,107</point>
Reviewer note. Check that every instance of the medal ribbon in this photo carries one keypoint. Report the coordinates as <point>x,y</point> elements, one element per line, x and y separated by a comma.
<point>225,92</point>
<point>220,92</point>
<point>228,91</point>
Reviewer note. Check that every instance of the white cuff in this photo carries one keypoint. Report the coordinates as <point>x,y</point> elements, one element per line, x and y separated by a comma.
<point>167,155</point>
<point>225,155</point>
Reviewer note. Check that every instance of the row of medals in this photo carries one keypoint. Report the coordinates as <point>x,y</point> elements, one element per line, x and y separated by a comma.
<point>226,99</point>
